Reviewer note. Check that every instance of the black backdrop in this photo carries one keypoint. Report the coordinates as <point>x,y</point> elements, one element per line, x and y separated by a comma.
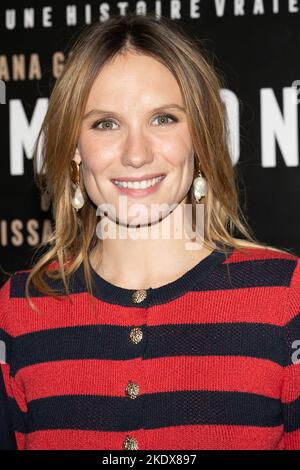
<point>256,46</point>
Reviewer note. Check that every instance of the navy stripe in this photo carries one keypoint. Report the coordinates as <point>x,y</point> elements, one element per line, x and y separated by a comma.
<point>18,280</point>
<point>120,296</point>
<point>105,413</point>
<point>19,418</point>
<point>111,342</point>
<point>212,273</point>
<point>291,413</point>
<point>293,328</point>
<point>245,274</point>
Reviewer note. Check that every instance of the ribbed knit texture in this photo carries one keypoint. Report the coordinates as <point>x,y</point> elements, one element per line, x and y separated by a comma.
<point>215,366</point>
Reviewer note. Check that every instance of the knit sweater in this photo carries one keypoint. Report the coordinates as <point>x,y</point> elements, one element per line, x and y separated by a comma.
<point>208,361</point>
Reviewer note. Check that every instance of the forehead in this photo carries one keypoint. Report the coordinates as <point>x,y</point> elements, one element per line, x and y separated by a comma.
<point>134,79</point>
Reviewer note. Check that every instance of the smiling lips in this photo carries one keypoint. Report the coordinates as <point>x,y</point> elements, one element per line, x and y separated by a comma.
<point>138,187</point>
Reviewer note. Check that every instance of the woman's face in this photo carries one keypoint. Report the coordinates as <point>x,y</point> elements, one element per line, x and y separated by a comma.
<point>135,135</point>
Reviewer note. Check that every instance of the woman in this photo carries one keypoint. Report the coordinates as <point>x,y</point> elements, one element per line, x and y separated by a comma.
<point>136,328</point>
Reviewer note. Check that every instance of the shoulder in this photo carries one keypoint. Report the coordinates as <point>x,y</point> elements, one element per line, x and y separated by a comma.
<point>19,306</point>
<point>14,286</point>
<point>17,309</point>
<point>12,289</point>
<point>277,264</point>
<point>276,272</point>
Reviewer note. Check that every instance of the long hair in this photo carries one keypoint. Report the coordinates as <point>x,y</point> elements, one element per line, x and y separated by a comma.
<point>74,234</point>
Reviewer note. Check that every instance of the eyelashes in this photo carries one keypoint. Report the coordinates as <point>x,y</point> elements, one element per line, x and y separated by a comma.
<point>97,123</point>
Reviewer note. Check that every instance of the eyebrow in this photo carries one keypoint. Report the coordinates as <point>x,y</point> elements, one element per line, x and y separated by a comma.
<point>95,112</point>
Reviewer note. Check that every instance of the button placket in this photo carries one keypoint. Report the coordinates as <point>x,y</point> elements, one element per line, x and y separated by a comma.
<point>132,389</point>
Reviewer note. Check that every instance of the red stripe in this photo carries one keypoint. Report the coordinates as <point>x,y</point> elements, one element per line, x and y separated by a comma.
<point>176,437</point>
<point>6,379</point>
<point>228,373</point>
<point>247,305</point>
<point>291,389</point>
<point>21,440</point>
<point>54,314</point>
<point>12,389</point>
<point>257,253</point>
<point>215,438</point>
<point>292,440</point>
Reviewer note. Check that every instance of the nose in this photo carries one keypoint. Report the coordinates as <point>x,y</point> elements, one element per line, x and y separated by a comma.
<point>137,150</point>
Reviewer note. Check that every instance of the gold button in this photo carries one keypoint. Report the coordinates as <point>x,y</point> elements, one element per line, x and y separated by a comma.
<point>130,443</point>
<point>139,295</point>
<point>136,335</point>
<point>132,390</point>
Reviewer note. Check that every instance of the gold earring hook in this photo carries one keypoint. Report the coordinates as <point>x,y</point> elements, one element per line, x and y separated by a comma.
<point>75,172</point>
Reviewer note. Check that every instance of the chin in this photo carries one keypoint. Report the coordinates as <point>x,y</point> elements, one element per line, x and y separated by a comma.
<point>138,220</point>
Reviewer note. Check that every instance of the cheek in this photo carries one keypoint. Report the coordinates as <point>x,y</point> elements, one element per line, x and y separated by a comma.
<point>95,155</point>
<point>178,151</point>
<point>94,160</point>
<point>182,165</point>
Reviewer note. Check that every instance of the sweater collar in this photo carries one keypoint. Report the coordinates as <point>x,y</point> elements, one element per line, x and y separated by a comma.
<point>108,292</point>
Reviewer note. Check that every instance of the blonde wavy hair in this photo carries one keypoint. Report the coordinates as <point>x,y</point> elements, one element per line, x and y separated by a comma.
<point>74,234</point>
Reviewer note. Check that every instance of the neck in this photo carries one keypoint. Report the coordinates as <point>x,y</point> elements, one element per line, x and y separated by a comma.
<point>139,260</point>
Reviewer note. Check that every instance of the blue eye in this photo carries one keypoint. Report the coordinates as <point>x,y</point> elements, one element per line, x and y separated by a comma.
<point>97,123</point>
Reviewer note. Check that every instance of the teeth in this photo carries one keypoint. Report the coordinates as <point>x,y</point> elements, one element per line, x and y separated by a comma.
<point>138,184</point>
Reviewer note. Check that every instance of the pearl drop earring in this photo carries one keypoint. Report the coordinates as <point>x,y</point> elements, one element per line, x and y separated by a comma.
<point>77,200</point>
<point>199,186</point>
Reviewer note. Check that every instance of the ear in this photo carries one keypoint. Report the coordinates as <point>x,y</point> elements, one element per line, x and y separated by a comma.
<point>77,156</point>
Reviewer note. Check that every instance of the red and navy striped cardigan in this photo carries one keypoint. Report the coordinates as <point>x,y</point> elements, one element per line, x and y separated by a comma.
<point>209,361</point>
